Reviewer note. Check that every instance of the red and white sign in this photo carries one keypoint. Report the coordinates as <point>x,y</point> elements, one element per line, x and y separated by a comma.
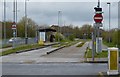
<point>14,25</point>
<point>98,18</point>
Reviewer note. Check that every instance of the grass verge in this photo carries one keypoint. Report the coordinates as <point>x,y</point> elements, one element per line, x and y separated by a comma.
<point>109,44</point>
<point>20,48</point>
<point>81,44</point>
<point>66,44</point>
<point>103,54</point>
<point>6,46</point>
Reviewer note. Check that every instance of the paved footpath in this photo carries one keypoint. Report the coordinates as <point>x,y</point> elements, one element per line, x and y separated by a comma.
<point>68,54</point>
<point>104,47</point>
<point>26,57</point>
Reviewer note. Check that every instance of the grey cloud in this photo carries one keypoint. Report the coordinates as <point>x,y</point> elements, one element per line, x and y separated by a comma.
<point>72,12</point>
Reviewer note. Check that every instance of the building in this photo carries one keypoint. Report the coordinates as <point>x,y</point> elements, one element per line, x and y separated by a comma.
<point>46,34</point>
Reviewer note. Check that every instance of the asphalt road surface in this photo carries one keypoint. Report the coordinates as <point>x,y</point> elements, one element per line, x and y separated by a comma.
<point>53,69</point>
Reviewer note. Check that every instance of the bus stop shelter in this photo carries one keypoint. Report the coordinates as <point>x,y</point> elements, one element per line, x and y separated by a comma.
<point>46,34</point>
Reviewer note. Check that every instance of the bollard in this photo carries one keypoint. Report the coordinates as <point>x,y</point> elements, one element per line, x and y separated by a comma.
<point>113,61</point>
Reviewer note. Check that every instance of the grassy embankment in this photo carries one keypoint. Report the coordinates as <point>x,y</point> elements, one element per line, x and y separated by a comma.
<point>19,48</point>
<point>109,44</point>
<point>103,54</point>
<point>81,44</point>
<point>68,43</point>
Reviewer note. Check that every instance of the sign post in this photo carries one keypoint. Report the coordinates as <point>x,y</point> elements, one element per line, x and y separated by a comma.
<point>113,61</point>
<point>98,23</point>
<point>14,33</point>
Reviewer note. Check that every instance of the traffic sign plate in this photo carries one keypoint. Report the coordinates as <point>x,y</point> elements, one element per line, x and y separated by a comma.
<point>98,18</point>
<point>13,26</point>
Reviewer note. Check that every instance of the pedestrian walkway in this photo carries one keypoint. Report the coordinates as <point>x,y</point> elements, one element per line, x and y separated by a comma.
<point>104,47</point>
<point>4,49</point>
<point>31,56</point>
<point>47,43</point>
<point>68,54</point>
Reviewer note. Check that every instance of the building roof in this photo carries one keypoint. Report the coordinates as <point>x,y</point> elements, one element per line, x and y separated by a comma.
<point>47,30</point>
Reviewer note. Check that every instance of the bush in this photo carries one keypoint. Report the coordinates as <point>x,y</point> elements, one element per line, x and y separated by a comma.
<point>71,37</point>
<point>59,37</point>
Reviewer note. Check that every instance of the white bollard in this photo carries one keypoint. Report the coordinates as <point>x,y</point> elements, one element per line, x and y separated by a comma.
<point>113,61</point>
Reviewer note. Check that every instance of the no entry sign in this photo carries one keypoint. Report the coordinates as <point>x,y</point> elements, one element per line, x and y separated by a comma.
<point>98,18</point>
<point>14,25</point>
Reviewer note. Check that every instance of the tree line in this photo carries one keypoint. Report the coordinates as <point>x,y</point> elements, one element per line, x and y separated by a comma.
<point>68,31</point>
<point>31,28</point>
<point>85,32</point>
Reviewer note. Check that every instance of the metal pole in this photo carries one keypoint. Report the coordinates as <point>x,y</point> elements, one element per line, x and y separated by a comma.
<point>93,46</point>
<point>64,29</point>
<point>16,18</point>
<point>26,41</point>
<point>5,21</point>
<point>109,23</point>
<point>94,41</point>
<point>98,3</point>
<point>14,22</point>
<point>98,24</point>
<point>36,33</point>
<point>60,21</point>
<point>58,25</point>
<point>109,20</point>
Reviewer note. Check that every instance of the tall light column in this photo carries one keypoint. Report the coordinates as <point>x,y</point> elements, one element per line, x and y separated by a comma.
<point>16,17</point>
<point>5,21</point>
<point>26,23</point>
<point>109,19</point>
<point>14,31</point>
<point>58,25</point>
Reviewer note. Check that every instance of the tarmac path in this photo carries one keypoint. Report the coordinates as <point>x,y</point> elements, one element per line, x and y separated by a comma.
<point>67,54</point>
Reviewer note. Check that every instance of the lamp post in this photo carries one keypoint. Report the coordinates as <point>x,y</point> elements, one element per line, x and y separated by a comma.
<point>59,25</point>
<point>16,17</point>
<point>5,21</point>
<point>26,23</point>
<point>109,18</point>
<point>14,24</point>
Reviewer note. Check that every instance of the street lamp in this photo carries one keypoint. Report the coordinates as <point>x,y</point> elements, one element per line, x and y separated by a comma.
<point>5,21</point>
<point>14,25</point>
<point>16,16</point>
<point>26,23</point>
<point>109,19</point>
<point>59,25</point>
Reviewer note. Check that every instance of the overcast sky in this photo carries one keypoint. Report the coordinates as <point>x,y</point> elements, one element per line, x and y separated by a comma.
<point>76,13</point>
